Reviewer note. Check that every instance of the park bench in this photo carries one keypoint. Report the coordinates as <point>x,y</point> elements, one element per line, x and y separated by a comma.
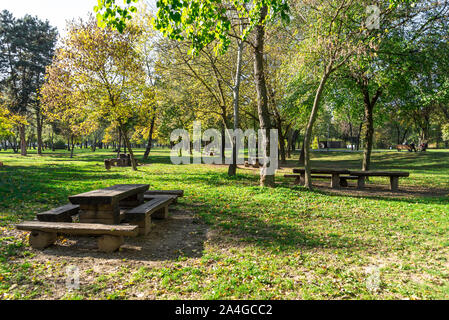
<point>394,177</point>
<point>255,164</point>
<point>123,161</point>
<point>44,234</point>
<point>339,177</point>
<point>148,195</point>
<point>60,214</point>
<point>155,208</point>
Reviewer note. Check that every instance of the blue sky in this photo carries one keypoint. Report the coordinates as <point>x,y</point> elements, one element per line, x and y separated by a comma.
<point>55,11</point>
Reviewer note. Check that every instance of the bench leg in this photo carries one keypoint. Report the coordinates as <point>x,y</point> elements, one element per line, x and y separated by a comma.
<point>343,182</point>
<point>144,226</point>
<point>161,213</point>
<point>108,243</point>
<point>394,183</point>
<point>361,182</point>
<point>41,240</point>
<point>335,182</point>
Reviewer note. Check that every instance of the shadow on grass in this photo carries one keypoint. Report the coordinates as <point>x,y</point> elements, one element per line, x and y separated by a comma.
<point>419,199</point>
<point>421,161</point>
<point>47,185</point>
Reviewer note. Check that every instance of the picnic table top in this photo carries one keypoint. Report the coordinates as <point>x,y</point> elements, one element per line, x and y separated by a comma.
<point>109,195</point>
<point>323,171</point>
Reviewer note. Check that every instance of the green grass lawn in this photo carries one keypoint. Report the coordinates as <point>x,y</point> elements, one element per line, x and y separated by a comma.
<point>281,243</point>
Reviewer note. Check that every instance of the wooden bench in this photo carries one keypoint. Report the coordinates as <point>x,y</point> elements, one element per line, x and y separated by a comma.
<point>394,177</point>
<point>148,195</point>
<point>155,208</point>
<point>61,214</point>
<point>43,234</point>
<point>343,179</point>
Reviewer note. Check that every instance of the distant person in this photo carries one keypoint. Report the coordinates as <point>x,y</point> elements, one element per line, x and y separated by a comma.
<point>412,147</point>
<point>423,146</point>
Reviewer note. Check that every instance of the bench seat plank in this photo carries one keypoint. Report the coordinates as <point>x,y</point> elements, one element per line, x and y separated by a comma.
<point>60,214</point>
<point>322,171</point>
<point>179,193</point>
<point>380,173</point>
<point>157,203</point>
<point>79,228</point>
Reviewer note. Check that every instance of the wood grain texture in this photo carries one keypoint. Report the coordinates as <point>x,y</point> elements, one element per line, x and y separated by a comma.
<point>380,173</point>
<point>141,212</point>
<point>60,214</point>
<point>179,193</point>
<point>109,195</point>
<point>323,171</point>
<point>79,228</point>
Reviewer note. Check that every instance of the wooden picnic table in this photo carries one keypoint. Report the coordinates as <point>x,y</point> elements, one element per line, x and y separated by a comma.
<point>335,173</point>
<point>103,205</point>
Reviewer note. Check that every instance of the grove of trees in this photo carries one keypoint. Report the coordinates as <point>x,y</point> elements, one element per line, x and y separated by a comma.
<point>312,69</point>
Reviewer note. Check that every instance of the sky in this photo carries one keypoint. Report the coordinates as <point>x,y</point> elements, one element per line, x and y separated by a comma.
<point>55,11</point>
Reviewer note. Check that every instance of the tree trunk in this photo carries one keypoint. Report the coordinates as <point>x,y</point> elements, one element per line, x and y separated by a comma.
<point>119,143</point>
<point>39,123</point>
<point>404,136</point>
<point>301,156</point>
<point>150,139</point>
<point>73,147</point>
<point>359,135</point>
<point>368,137</point>
<point>290,143</point>
<point>223,144</point>
<point>131,153</point>
<point>232,170</point>
<point>262,99</point>
<point>309,128</point>
<point>23,142</point>
<point>369,127</point>
<point>282,146</point>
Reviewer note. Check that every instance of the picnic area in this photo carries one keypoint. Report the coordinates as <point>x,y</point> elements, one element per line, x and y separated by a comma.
<point>228,238</point>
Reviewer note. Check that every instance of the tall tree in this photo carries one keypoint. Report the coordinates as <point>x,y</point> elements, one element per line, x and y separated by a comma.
<point>202,22</point>
<point>26,48</point>
<point>105,73</point>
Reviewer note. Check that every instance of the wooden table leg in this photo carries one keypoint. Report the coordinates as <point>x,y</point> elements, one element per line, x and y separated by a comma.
<point>394,183</point>
<point>104,214</point>
<point>361,182</point>
<point>335,182</point>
